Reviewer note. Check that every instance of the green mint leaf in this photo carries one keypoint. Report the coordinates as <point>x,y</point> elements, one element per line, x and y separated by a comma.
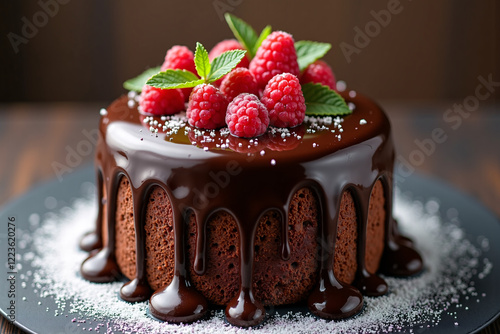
<point>265,32</point>
<point>243,32</point>
<point>174,79</point>
<point>308,52</point>
<point>139,81</point>
<point>224,63</point>
<point>201,61</point>
<point>323,101</point>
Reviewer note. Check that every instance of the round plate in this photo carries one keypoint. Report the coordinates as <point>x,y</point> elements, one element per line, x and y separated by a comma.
<point>36,315</point>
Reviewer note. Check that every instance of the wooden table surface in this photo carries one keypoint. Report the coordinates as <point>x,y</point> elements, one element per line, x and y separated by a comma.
<point>35,136</point>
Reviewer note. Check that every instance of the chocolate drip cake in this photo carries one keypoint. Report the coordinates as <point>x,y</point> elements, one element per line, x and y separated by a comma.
<point>270,189</point>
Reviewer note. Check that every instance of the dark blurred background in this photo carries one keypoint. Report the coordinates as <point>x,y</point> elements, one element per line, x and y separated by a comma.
<point>75,50</point>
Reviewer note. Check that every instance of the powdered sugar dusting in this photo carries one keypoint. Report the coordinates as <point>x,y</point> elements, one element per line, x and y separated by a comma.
<point>452,265</point>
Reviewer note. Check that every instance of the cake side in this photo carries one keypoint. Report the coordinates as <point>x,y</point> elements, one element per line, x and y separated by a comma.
<point>276,282</point>
<point>246,177</point>
<point>375,229</point>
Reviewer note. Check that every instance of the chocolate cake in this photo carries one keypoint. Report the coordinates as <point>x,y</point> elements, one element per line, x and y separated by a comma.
<point>196,218</point>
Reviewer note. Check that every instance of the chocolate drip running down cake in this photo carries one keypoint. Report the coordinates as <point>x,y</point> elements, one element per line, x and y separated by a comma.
<point>194,218</point>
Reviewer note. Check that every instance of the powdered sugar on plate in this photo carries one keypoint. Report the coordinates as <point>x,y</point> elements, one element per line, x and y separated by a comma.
<point>452,266</point>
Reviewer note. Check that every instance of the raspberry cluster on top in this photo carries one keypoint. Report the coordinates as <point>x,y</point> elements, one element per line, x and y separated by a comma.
<point>248,91</point>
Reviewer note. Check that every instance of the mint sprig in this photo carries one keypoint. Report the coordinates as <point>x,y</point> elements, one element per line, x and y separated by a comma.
<point>201,61</point>
<point>308,52</point>
<point>224,63</point>
<point>246,35</point>
<point>323,101</point>
<point>139,81</point>
<point>174,79</point>
<point>207,72</point>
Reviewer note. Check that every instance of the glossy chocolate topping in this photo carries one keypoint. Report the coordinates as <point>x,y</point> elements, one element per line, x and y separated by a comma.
<point>204,172</point>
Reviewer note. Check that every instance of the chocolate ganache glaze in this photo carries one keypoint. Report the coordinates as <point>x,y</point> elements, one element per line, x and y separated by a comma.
<point>246,178</point>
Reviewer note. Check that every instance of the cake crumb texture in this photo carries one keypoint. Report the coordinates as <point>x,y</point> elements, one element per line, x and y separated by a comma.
<point>275,281</point>
<point>344,262</point>
<point>124,229</point>
<point>160,242</point>
<point>375,228</point>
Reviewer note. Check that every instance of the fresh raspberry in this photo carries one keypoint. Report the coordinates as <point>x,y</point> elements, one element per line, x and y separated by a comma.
<point>240,80</point>
<point>246,116</point>
<point>276,55</point>
<point>284,99</point>
<point>228,45</point>
<point>319,72</point>
<point>157,101</point>
<point>207,107</point>
<point>179,57</point>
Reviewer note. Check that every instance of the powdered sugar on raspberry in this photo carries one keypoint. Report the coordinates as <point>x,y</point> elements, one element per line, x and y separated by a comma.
<point>452,265</point>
